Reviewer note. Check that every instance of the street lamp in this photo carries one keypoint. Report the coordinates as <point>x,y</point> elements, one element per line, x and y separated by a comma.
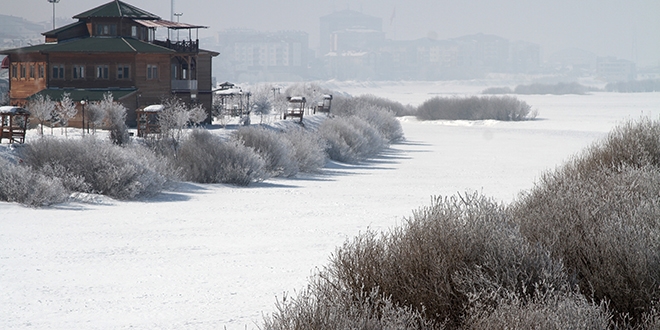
<point>82,102</point>
<point>53,2</point>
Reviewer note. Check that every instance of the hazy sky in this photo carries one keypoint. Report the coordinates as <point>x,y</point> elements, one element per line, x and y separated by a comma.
<point>628,29</point>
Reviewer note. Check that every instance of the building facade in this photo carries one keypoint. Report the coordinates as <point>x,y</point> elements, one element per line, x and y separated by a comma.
<point>113,48</point>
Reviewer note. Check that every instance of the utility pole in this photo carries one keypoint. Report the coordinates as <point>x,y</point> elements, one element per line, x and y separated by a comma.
<point>54,2</point>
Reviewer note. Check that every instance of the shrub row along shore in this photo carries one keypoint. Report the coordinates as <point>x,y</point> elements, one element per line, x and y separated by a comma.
<point>580,250</point>
<point>49,170</point>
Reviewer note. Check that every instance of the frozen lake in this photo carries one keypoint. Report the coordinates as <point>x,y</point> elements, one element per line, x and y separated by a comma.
<point>210,256</point>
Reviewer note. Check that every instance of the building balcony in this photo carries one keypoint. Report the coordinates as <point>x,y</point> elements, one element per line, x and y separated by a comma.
<point>184,46</point>
<point>184,85</point>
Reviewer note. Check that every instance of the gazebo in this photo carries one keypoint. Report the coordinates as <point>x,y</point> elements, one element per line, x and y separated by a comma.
<point>147,120</point>
<point>296,107</point>
<point>13,123</point>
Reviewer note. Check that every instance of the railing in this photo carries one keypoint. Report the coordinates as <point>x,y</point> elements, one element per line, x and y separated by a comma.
<point>185,46</point>
<point>184,85</point>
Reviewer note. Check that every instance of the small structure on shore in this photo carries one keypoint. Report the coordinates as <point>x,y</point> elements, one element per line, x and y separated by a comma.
<point>147,120</point>
<point>233,101</point>
<point>325,105</point>
<point>13,123</point>
<point>296,107</point>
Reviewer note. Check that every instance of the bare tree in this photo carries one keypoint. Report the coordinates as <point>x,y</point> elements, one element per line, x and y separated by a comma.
<point>66,110</point>
<point>176,115</point>
<point>41,108</point>
<point>97,113</point>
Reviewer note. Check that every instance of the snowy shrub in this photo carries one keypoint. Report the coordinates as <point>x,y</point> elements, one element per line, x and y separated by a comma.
<point>205,158</point>
<point>20,184</point>
<point>599,213</point>
<point>325,305</point>
<point>475,108</point>
<point>308,149</point>
<point>550,310</point>
<point>345,106</point>
<point>115,114</point>
<point>635,86</point>
<point>556,89</point>
<point>460,253</point>
<point>94,166</point>
<point>497,90</point>
<point>382,120</point>
<point>96,112</point>
<point>273,147</point>
<point>350,139</point>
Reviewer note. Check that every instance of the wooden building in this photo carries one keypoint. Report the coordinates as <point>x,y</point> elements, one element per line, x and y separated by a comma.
<point>113,48</point>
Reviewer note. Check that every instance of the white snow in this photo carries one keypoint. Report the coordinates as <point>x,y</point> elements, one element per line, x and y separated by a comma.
<point>216,256</point>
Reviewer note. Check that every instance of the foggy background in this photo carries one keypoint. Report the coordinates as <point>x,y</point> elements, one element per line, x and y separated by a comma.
<point>627,29</point>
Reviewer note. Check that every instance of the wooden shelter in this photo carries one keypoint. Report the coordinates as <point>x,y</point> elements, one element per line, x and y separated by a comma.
<point>296,107</point>
<point>325,105</point>
<point>233,101</point>
<point>13,123</point>
<point>147,120</point>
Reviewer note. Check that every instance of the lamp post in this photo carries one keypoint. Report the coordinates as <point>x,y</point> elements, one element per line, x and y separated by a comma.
<point>53,2</point>
<point>82,102</point>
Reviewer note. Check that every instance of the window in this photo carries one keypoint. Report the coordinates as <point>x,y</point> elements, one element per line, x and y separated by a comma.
<point>42,71</point>
<point>152,35</point>
<point>102,72</point>
<point>22,66</point>
<point>14,71</point>
<point>32,71</point>
<point>58,72</point>
<point>175,72</point>
<point>134,31</point>
<point>106,29</point>
<point>123,72</point>
<point>152,71</point>
<point>78,72</point>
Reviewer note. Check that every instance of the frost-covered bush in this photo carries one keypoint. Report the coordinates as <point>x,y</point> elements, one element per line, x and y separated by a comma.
<point>21,184</point>
<point>276,150</point>
<point>205,158</point>
<point>350,139</point>
<point>635,86</point>
<point>460,253</point>
<point>497,90</point>
<point>308,149</point>
<point>550,310</point>
<point>115,114</point>
<point>94,166</point>
<point>555,89</point>
<point>475,108</point>
<point>325,305</point>
<point>599,213</point>
<point>343,105</point>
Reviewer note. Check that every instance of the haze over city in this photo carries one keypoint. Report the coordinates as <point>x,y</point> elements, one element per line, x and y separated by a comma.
<point>627,30</point>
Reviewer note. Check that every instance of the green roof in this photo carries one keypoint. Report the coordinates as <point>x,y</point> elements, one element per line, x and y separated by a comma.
<point>87,94</point>
<point>95,45</point>
<point>64,28</point>
<point>115,9</point>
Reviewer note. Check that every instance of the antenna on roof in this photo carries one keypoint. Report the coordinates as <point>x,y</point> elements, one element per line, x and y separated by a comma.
<point>54,2</point>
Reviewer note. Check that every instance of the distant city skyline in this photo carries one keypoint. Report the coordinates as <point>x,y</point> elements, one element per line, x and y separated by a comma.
<point>627,30</point>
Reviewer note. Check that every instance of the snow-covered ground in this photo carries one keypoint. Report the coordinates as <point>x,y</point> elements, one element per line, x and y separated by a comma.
<point>216,256</point>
